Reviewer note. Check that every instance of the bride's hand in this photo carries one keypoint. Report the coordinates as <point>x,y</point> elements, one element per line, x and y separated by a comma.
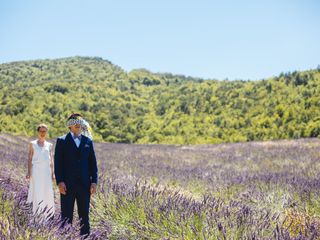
<point>53,177</point>
<point>28,176</point>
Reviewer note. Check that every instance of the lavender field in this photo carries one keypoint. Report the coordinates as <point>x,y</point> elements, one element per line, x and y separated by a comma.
<point>256,190</point>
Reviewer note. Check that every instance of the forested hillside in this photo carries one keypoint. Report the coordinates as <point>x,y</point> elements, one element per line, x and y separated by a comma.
<point>144,107</point>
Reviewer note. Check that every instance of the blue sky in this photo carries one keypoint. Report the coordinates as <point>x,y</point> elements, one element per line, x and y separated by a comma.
<point>208,39</point>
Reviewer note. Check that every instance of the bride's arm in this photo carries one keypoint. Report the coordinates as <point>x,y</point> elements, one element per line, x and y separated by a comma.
<point>30,154</point>
<point>52,163</point>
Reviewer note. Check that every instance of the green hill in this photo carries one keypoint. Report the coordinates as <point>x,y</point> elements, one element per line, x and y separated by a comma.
<point>144,107</point>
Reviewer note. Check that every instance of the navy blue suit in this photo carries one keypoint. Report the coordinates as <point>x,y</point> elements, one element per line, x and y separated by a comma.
<point>77,168</point>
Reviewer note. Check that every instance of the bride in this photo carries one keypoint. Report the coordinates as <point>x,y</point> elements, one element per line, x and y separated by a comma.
<point>40,175</point>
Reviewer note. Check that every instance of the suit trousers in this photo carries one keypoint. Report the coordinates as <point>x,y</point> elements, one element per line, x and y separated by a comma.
<point>81,195</point>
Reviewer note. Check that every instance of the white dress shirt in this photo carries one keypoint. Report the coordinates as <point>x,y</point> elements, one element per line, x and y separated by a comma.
<point>77,140</point>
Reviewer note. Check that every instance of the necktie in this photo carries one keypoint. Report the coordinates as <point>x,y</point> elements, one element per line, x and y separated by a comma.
<point>77,142</point>
<point>77,136</point>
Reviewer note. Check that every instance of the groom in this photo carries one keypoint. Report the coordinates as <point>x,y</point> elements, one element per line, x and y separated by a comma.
<point>76,172</point>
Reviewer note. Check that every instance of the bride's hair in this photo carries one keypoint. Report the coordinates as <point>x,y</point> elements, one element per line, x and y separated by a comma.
<point>42,125</point>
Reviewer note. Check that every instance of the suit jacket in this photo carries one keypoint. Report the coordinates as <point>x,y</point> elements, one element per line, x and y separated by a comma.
<point>73,164</point>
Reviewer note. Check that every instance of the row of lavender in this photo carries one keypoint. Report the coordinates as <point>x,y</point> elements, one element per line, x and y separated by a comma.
<point>258,190</point>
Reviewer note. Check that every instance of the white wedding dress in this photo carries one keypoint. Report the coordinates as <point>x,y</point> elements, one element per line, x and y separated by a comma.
<point>40,192</point>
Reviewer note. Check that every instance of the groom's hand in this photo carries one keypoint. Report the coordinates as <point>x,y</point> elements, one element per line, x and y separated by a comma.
<point>93,188</point>
<point>62,188</point>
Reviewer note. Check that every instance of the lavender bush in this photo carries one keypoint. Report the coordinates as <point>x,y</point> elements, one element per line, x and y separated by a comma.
<point>257,190</point>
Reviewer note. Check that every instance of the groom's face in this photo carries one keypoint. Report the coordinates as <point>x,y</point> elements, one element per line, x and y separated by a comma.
<point>76,129</point>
